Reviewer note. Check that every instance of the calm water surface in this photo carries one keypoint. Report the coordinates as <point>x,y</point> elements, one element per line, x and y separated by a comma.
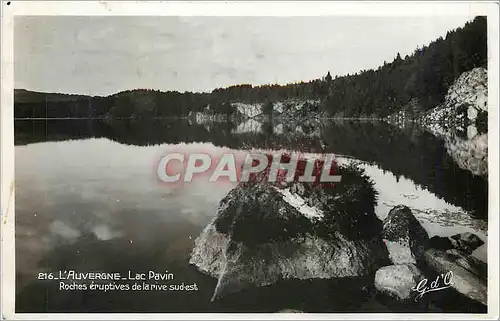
<point>88,199</point>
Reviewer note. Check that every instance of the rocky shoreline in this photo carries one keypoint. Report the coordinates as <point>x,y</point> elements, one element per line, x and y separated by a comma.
<point>264,234</point>
<point>267,233</point>
<point>461,121</point>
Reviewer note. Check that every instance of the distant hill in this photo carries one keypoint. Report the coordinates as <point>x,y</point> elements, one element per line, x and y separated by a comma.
<point>26,96</point>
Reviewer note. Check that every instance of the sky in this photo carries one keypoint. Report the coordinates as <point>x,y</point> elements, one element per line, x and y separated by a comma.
<point>104,55</point>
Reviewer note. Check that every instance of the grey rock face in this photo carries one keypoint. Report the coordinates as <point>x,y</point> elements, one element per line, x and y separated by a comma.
<point>397,281</point>
<point>470,263</point>
<point>263,233</point>
<point>471,88</point>
<point>404,237</point>
<point>462,121</point>
<point>463,280</point>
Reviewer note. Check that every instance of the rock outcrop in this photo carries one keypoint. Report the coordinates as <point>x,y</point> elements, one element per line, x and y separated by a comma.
<point>470,263</point>
<point>249,110</point>
<point>288,108</point>
<point>397,281</point>
<point>466,102</point>
<point>471,89</point>
<point>404,237</point>
<point>465,280</point>
<point>412,251</point>
<point>464,242</point>
<point>462,121</point>
<point>264,233</point>
<point>458,249</point>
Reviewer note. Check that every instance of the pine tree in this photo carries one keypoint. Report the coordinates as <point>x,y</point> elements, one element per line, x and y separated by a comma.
<point>328,77</point>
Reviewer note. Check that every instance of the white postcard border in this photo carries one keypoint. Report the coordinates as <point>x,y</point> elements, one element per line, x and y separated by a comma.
<point>233,8</point>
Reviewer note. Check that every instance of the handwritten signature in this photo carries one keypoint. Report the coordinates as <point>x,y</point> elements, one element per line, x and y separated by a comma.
<point>441,282</point>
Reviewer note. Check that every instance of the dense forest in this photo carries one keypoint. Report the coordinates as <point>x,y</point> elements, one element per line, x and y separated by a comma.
<point>417,82</point>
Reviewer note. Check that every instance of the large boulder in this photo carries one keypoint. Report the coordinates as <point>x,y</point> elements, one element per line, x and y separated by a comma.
<point>463,280</point>
<point>470,263</point>
<point>397,281</point>
<point>264,233</point>
<point>404,237</point>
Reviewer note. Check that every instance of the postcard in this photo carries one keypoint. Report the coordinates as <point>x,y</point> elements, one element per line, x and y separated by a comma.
<point>265,160</point>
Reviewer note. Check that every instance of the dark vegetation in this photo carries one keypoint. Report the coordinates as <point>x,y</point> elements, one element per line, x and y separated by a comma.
<point>254,206</point>
<point>421,78</point>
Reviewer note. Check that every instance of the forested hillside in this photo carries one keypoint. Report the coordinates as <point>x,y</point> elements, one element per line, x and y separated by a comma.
<point>422,78</point>
<point>417,82</point>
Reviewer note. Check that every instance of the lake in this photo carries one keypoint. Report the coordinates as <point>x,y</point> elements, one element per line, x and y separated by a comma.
<point>88,199</point>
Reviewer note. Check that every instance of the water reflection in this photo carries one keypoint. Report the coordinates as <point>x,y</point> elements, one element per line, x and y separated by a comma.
<point>436,215</point>
<point>96,203</point>
<point>406,152</point>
